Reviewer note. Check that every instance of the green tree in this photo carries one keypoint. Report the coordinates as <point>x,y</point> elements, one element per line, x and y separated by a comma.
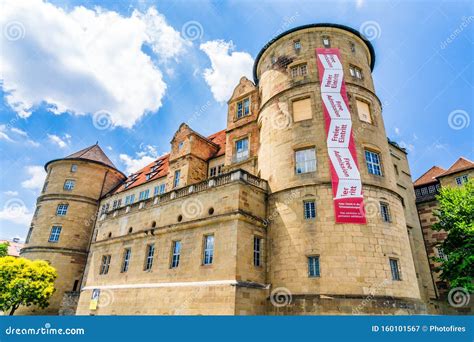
<point>4,248</point>
<point>25,282</point>
<point>456,217</point>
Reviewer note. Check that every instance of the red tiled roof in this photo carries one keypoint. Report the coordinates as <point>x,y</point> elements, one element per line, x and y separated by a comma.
<point>460,165</point>
<point>93,153</point>
<point>162,165</point>
<point>218,139</point>
<point>429,176</point>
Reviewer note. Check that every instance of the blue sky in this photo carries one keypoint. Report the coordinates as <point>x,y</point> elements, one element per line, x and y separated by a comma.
<point>127,73</point>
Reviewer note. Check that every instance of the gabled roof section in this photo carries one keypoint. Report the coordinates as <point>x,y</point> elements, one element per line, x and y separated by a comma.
<point>429,176</point>
<point>159,168</point>
<point>459,165</point>
<point>93,153</point>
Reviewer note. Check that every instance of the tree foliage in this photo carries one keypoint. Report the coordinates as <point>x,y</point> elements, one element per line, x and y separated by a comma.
<point>4,248</point>
<point>456,217</point>
<point>25,282</point>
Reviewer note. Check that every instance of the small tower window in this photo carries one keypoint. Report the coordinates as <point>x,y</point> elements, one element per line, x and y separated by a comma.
<point>73,168</point>
<point>355,72</point>
<point>177,174</point>
<point>385,212</point>
<point>297,45</point>
<point>309,210</point>
<point>54,235</point>
<point>326,42</point>
<point>104,266</point>
<point>127,254</point>
<point>243,108</point>
<point>69,184</point>
<point>176,251</point>
<point>395,269</point>
<point>313,266</point>
<point>61,210</point>
<point>372,160</point>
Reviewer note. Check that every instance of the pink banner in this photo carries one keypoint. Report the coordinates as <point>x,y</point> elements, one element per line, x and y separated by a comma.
<point>345,176</point>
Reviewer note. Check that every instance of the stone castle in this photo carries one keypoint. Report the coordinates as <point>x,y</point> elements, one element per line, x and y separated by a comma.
<point>243,221</point>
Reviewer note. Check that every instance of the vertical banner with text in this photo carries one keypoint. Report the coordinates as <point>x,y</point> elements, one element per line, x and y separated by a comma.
<point>345,176</point>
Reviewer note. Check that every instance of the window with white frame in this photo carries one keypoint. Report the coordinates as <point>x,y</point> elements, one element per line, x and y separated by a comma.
<point>241,149</point>
<point>305,160</point>
<point>309,209</point>
<point>143,195</point>
<point>69,184</point>
<point>326,42</point>
<point>61,209</point>
<point>208,256</point>
<point>117,203</point>
<point>313,266</point>
<point>73,168</point>
<point>127,254</point>
<point>216,170</point>
<point>462,180</point>
<point>177,175</point>
<point>160,189</point>
<point>257,251</point>
<point>355,72</point>
<point>129,199</point>
<point>385,212</point>
<point>176,251</point>
<point>424,191</point>
<point>150,253</point>
<point>372,160</point>
<point>299,70</point>
<point>54,235</point>
<point>243,108</point>
<point>105,264</point>
<point>394,268</point>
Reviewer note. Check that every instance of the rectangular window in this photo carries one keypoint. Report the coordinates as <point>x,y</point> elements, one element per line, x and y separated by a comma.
<point>175,254</point>
<point>395,269</point>
<point>61,210</point>
<point>309,210</point>
<point>177,174</point>
<point>384,212</point>
<point>160,189</point>
<point>305,160</point>
<point>54,235</point>
<point>73,168</point>
<point>297,44</point>
<point>150,252</point>
<point>417,192</point>
<point>117,203</point>
<point>372,160</point>
<point>363,109</point>
<point>302,110</point>
<point>69,184</point>
<point>313,266</point>
<point>431,189</point>
<point>424,191</point>
<point>462,180</point>
<point>143,195</point>
<point>241,149</point>
<point>127,254</point>
<point>326,42</point>
<point>355,72</point>
<point>213,171</point>
<point>208,249</point>
<point>299,70</point>
<point>129,199</point>
<point>257,251</point>
<point>220,169</point>
<point>395,167</point>
<point>104,266</point>
<point>243,108</point>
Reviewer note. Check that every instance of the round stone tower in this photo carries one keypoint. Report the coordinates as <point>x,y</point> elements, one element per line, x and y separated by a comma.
<point>63,222</point>
<point>329,267</point>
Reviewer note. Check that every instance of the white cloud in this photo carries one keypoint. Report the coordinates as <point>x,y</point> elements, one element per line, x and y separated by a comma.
<point>11,193</point>
<point>147,155</point>
<point>227,67</point>
<point>36,177</point>
<point>19,131</point>
<point>359,3</point>
<point>16,212</point>
<point>3,134</point>
<point>61,142</point>
<point>397,131</point>
<point>82,61</point>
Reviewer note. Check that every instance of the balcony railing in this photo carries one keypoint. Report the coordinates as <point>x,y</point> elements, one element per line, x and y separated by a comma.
<point>226,178</point>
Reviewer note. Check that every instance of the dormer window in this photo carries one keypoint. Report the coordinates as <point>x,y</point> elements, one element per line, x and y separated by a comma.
<point>243,108</point>
<point>326,42</point>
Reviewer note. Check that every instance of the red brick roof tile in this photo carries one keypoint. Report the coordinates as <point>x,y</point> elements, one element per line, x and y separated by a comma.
<point>429,176</point>
<point>460,165</point>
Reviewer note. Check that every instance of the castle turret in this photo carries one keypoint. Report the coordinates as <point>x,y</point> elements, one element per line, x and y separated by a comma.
<point>65,215</point>
<point>324,241</point>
